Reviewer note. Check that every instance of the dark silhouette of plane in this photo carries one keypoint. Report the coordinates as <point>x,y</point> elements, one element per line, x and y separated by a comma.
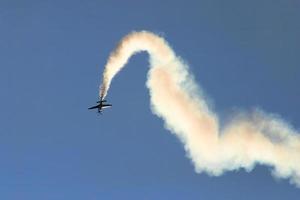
<point>100,106</point>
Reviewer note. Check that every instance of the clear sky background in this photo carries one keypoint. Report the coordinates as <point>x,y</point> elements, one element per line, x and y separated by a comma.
<point>244,54</point>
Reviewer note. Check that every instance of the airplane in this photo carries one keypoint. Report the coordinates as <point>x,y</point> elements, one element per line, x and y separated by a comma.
<point>100,106</point>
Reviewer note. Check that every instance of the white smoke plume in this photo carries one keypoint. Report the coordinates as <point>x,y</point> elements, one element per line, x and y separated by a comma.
<point>246,140</point>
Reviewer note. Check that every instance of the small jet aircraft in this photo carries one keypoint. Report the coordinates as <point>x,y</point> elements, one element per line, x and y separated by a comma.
<point>100,106</point>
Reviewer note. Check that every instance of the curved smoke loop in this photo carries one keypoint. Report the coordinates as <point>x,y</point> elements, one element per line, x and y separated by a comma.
<point>243,142</point>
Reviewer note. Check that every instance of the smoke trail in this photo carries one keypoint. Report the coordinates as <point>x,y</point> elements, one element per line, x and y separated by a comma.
<point>246,140</point>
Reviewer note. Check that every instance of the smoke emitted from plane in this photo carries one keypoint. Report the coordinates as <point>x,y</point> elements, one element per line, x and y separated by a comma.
<point>247,139</point>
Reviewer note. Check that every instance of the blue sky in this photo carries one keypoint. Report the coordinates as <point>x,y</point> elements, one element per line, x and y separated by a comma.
<point>244,54</point>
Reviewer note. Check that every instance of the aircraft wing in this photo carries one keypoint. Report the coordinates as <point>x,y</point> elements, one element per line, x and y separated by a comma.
<point>106,105</point>
<point>93,107</point>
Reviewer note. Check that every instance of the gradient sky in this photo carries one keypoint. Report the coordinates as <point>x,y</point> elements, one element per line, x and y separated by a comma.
<point>244,54</point>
